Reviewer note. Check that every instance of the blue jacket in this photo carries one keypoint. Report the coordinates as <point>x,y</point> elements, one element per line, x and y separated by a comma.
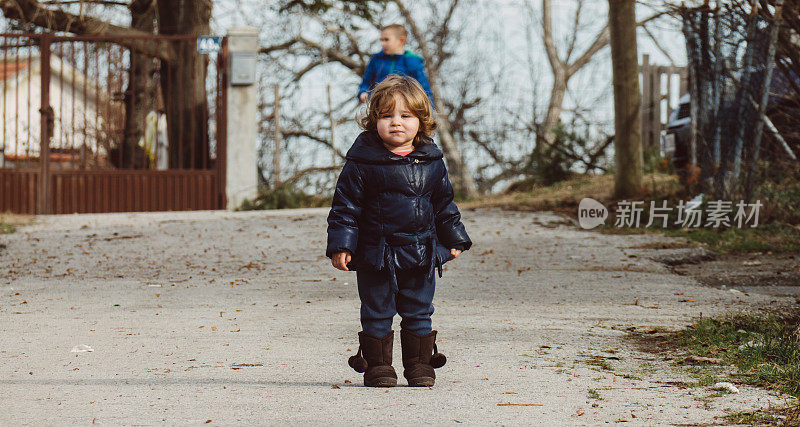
<point>382,65</point>
<point>392,211</point>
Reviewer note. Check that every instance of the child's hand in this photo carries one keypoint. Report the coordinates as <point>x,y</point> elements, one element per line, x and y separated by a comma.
<point>363,97</point>
<point>454,253</point>
<point>340,260</point>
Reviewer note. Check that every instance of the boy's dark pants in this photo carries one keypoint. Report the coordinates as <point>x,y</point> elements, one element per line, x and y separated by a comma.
<point>413,300</point>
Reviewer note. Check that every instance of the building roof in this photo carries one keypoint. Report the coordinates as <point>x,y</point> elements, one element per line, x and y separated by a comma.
<point>9,68</point>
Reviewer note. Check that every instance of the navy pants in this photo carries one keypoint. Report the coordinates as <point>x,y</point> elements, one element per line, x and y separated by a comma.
<point>413,301</point>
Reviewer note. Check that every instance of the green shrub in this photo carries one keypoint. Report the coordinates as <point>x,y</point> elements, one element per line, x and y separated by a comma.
<point>781,200</point>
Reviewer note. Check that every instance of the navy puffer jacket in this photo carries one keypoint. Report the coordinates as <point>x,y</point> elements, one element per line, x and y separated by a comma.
<point>392,211</point>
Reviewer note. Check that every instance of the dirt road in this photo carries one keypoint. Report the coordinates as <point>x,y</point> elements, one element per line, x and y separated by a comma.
<point>237,317</point>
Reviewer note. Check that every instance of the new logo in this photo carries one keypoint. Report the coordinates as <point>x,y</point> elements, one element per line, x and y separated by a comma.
<point>591,213</point>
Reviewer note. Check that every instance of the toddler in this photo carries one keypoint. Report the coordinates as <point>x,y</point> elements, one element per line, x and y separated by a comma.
<point>394,222</point>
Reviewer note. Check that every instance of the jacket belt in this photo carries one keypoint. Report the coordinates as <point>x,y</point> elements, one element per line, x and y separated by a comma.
<point>387,260</point>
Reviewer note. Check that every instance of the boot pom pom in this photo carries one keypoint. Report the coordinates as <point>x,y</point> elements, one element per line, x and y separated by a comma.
<point>358,363</point>
<point>438,360</point>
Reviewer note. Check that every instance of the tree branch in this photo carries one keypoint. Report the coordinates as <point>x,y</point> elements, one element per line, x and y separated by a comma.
<point>302,172</point>
<point>100,2</point>
<point>600,41</point>
<point>30,11</point>
<point>299,74</point>
<point>658,45</point>
<point>276,47</point>
<point>440,37</point>
<point>415,30</point>
<point>547,36</point>
<point>306,134</point>
<point>498,159</point>
<point>574,34</point>
<point>505,174</point>
<point>334,55</point>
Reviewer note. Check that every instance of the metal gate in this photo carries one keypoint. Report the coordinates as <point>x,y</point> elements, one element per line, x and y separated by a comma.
<point>106,124</point>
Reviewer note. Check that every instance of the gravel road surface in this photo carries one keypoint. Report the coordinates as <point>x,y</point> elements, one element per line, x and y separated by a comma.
<point>238,317</point>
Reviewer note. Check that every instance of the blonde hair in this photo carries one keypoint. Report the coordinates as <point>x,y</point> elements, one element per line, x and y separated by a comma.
<point>399,30</point>
<point>382,101</point>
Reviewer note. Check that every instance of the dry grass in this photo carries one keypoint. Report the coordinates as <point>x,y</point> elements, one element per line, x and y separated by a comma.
<point>16,219</point>
<point>565,196</point>
<point>9,222</point>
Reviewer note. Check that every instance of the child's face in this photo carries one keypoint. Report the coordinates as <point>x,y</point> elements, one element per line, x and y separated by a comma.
<point>399,127</point>
<point>391,43</point>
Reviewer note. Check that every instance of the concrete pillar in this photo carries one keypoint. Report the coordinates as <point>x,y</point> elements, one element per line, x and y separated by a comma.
<point>241,180</point>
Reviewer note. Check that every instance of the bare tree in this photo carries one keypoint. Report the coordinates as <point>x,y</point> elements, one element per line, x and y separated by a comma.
<point>572,62</point>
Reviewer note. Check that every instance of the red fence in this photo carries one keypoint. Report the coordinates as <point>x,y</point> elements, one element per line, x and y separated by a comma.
<point>99,124</point>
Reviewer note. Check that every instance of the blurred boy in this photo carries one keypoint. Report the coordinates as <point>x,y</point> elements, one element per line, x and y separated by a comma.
<point>393,59</point>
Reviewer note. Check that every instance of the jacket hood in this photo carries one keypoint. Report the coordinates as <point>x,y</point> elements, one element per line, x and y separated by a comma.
<point>369,149</point>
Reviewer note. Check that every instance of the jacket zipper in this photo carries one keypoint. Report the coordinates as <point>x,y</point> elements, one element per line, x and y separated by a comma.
<point>415,162</point>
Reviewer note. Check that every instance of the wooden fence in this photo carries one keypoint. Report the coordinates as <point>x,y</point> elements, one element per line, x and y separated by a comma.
<point>661,87</point>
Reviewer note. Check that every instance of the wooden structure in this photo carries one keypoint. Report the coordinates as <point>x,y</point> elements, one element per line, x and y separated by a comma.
<point>661,84</point>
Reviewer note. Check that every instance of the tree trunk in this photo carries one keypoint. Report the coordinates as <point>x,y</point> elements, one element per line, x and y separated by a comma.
<point>184,83</point>
<point>463,182</point>
<point>560,79</point>
<point>627,115</point>
<point>462,179</point>
<point>139,93</point>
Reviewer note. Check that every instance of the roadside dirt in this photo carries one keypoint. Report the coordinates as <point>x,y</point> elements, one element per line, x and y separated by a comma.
<point>769,273</point>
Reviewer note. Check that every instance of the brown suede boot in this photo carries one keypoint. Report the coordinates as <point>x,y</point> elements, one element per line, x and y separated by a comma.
<point>419,359</point>
<point>376,363</point>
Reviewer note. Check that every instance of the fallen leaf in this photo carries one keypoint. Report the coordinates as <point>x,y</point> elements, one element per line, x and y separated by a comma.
<point>701,359</point>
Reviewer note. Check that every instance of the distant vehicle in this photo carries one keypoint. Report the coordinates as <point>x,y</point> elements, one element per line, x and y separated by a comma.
<point>675,141</point>
<point>676,138</point>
